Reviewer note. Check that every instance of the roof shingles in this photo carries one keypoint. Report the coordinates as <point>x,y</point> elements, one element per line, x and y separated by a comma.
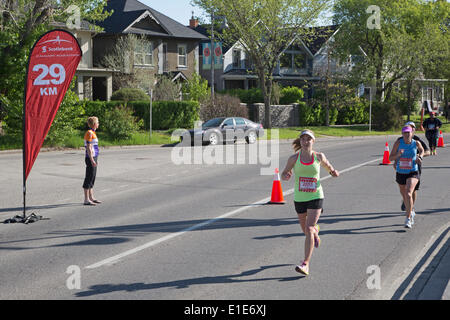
<point>126,12</point>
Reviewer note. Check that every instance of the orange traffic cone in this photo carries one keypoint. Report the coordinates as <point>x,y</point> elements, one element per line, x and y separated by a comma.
<point>386,155</point>
<point>277,192</point>
<point>440,143</point>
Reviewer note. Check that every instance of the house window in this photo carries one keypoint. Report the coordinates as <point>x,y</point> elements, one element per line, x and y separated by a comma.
<point>182,55</point>
<point>143,54</point>
<point>236,59</point>
<point>286,60</point>
<point>299,61</point>
<point>292,60</point>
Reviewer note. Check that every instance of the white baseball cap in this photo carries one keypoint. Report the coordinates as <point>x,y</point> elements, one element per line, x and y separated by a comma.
<point>411,123</point>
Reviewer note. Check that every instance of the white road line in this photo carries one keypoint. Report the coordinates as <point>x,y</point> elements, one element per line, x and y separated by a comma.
<point>147,245</point>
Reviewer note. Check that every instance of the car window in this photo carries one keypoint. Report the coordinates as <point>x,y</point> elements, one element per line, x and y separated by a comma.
<point>213,122</point>
<point>228,122</point>
<point>239,121</point>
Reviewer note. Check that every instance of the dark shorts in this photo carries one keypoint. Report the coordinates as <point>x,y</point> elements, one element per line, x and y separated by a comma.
<point>402,177</point>
<point>302,207</point>
<point>431,136</point>
<point>91,172</point>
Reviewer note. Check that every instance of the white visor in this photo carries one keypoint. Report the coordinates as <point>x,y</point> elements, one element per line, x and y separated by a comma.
<point>309,133</point>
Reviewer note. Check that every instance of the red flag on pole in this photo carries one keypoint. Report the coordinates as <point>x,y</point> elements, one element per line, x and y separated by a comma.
<point>51,67</point>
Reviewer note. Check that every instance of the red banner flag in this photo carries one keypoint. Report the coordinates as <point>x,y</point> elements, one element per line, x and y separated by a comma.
<point>51,67</point>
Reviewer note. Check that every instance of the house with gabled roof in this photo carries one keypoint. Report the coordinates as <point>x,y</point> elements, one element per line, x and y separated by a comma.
<point>173,49</point>
<point>299,63</point>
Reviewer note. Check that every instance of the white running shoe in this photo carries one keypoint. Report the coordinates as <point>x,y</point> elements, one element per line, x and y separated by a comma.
<point>408,223</point>
<point>413,214</point>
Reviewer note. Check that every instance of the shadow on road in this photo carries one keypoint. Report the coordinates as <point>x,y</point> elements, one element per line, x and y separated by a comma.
<point>186,283</point>
<point>47,206</point>
<point>111,235</point>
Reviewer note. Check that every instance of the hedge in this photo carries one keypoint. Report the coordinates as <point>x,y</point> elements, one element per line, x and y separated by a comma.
<point>165,115</point>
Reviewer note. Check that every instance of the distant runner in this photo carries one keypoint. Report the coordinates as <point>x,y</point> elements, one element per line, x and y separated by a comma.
<point>407,154</point>
<point>432,126</point>
<point>308,192</point>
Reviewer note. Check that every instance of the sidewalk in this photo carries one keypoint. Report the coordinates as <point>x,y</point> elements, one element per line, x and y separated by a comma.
<point>437,286</point>
<point>430,279</point>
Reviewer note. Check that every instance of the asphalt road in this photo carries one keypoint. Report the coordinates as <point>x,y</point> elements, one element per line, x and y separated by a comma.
<point>202,231</point>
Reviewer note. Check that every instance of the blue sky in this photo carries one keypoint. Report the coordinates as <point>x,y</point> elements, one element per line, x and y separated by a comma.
<point>179,10</point>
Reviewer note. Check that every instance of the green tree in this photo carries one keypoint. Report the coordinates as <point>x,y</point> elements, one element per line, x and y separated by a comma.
<point>21,23</point>
<point>265,28</point>
<point>122,58</point>
<point>398,38</point>
<point>196,89</point>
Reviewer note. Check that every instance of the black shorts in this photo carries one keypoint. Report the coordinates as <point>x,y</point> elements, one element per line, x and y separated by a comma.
<point>402,177</point>
<point>91,172</point>
<point>302,207</point>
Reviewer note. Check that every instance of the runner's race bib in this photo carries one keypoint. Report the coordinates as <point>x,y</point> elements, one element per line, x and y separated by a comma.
<point>405,163</point>
<point>431,126</point>
<point>307,184</point>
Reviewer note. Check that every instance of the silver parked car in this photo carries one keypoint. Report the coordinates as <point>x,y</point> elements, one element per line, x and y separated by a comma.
<point>222,130</point>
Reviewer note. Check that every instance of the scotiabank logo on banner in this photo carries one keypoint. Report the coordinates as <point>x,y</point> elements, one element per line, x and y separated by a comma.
<point>52,65</point>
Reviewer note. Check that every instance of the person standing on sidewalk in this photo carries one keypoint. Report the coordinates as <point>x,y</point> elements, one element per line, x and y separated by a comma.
<point>407,154</point>
<point>308,191</point>
<point>91,146</point>
<point>432,126</point>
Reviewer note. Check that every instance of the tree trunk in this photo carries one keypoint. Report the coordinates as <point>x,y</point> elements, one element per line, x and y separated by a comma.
<point>409,100</point>
<point>266,88</point>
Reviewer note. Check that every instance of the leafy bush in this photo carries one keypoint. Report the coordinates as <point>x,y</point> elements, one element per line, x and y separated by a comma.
<point>308,115</point>
<point>332,116</point>
<point>130,94</point>
<point>223,106</point>
<point>291,95</point>
<point>98,109</point>
<point>356,113</point>
<point>67,119</point>
<point>386,116</point>
<point>250,96</point>
<point>172,114</point>
<point>196,89</point>
<point>119,123</point>
<point>166,90</point>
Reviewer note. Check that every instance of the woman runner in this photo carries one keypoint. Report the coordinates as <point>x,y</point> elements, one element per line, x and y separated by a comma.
<point>308,192</point>
<point>407,154</point>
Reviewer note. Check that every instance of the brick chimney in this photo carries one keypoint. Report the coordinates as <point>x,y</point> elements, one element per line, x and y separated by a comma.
<point>193,23</point>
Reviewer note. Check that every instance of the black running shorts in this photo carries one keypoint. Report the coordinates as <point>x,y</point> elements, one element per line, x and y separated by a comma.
<point>302,207</point>
<point>402,177</point>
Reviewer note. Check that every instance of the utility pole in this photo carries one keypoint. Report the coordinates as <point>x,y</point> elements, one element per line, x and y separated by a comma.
<point>212,57</point>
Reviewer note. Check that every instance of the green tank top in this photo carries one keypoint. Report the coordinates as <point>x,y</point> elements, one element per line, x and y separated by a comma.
<point>307,180</point>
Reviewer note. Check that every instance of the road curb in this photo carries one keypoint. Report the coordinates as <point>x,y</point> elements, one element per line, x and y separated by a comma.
<point>427,277</point>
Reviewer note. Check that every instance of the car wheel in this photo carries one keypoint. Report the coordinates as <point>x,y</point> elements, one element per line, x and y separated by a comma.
<point>213,139</point>
<point>251,137</point>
